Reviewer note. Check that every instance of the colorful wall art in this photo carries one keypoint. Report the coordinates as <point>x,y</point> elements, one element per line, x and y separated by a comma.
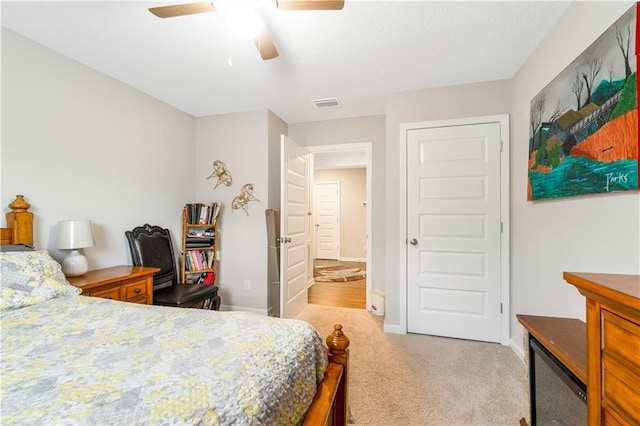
<point>583,127</point>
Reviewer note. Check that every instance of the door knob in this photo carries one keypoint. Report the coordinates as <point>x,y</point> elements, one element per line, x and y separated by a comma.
<point>413,242</point>
<point>287,240</point>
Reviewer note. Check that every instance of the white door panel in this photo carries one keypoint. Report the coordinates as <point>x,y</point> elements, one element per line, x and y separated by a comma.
<point>327,218</point>
<point>293,228</point>
<point>453,227</point>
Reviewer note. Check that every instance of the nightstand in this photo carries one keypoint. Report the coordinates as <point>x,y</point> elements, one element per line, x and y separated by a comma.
<point>126,283</point>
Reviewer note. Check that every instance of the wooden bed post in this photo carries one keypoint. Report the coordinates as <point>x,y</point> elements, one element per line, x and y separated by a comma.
<point>330,405</point>
<point>338,345</point>
<point>20,222</point>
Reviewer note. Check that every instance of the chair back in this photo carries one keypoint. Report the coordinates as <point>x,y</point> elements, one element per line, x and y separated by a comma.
<point>152,246</point>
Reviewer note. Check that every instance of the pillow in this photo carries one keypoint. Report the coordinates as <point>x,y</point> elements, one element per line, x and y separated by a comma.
<point>31,277</point>
<point>17,247</point>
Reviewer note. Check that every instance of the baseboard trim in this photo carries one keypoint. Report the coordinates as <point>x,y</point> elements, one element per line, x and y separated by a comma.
<point>517,350</point>
<point>393,329</point>
<point>244,309</point>
<point>353,259</point>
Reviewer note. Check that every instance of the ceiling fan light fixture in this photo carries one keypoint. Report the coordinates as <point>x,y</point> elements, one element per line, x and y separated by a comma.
<point>244,22</point>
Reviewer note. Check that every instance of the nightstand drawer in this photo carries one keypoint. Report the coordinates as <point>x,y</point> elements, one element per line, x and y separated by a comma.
<point>112,293</point>
<point>135,290</point>
<point>126,283</point>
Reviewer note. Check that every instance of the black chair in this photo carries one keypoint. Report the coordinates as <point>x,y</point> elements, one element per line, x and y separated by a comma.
<point>152,246</point>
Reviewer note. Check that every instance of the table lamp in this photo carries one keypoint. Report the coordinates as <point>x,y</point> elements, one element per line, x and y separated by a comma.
<point>74,235</point>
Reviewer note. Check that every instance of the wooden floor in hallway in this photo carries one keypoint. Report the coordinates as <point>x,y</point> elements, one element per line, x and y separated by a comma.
<point>349,294</point>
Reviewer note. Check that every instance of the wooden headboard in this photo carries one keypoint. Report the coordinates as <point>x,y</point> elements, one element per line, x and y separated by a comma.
<point>19,228</point>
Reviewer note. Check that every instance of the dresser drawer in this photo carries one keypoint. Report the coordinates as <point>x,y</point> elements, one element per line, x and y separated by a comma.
<point>112,293</point>
<point>611,418</point>
<point>135,290</point>
<point>621,387</point>
<point>621,338</point>
<point>621,366</point>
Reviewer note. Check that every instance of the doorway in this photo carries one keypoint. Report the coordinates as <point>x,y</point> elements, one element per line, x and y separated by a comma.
<point>350,254</point>
<point>339,283</point>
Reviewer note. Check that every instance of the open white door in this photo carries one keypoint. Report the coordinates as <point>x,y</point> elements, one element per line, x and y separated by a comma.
<point>294,209</point>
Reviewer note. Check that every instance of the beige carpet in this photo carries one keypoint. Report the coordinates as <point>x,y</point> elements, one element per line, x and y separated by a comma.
<point>424,380</point>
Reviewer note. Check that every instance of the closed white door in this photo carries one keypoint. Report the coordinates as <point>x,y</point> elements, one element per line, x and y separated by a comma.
<point>453,231</point>
<point>294,208</point>
<point>327,220</point>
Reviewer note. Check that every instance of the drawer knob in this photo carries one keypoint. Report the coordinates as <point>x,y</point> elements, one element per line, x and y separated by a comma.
<point>137,290</point>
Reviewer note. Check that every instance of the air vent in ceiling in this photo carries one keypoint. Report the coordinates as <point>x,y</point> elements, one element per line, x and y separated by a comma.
<point>326,103</point>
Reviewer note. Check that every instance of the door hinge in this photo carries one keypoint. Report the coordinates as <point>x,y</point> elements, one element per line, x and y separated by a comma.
<point>500,307</point>
<point>501,227</point>
<point>501,146</point>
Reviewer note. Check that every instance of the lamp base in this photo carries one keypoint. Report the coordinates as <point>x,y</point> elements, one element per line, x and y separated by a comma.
<point>75,264</point>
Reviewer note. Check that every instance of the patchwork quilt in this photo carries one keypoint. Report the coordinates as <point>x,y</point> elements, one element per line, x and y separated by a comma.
<point>80,360</point>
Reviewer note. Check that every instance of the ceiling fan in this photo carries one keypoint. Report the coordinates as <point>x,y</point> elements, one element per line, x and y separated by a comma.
<point>263,40</point>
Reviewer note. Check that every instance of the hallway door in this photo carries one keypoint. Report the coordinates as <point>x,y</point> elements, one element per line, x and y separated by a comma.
<point>327,220</point>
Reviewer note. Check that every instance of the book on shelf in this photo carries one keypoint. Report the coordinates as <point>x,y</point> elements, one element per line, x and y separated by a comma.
<point>193,261</point>
<point>197,246</point>
<point>197,260</point>
<point>206,278</point>
<point>202,240</point>
<point>202,214</point>
<point>201,233</point>
<point>209,278</point>
<point>198,255</point>
<point>199,242</point>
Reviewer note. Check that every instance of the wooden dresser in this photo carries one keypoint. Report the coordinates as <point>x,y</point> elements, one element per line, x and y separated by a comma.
<point>126,283</point>
<point>613,346</point>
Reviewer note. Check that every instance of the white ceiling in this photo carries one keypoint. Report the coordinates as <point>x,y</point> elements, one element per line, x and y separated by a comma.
<point>359,54</point>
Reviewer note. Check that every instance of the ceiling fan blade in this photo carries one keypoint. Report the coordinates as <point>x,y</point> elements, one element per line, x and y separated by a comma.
<point>181,9</point>
<point>310,4</point>
<point>265,45</point>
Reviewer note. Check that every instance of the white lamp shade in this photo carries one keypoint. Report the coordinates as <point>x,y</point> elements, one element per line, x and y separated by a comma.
<point>74,234</point>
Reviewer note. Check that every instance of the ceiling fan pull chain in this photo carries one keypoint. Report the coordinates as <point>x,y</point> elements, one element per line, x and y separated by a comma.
<point>259,48</point>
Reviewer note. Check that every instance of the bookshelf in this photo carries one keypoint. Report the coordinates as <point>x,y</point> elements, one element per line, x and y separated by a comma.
<point>200,222</point>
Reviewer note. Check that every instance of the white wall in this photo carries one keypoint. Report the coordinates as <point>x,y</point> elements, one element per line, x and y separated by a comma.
<point>81,145</point>
<point>470,100</point>
<point>597,233</point>
<point>241,141</point>
<point>277,127</point>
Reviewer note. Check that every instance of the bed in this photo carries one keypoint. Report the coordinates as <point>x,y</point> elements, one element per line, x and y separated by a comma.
<point>71,359</point>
